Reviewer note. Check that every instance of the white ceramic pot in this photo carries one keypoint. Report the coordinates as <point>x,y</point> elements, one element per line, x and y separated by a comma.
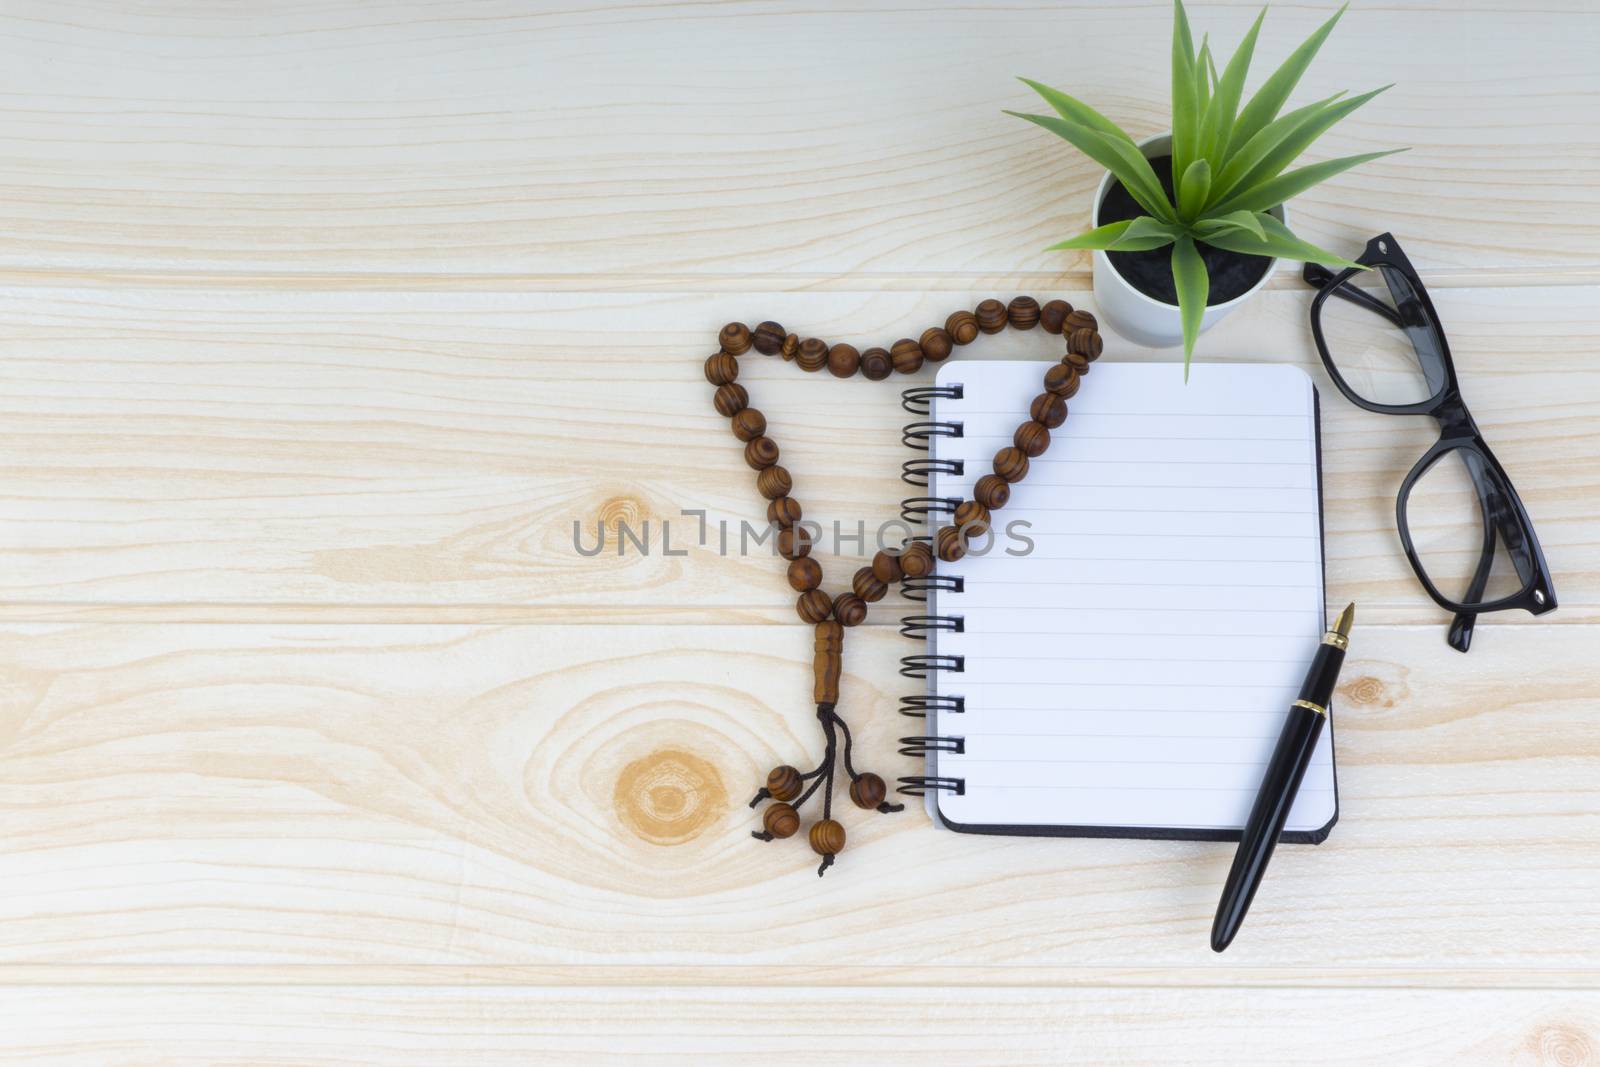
<point>1144,319</point>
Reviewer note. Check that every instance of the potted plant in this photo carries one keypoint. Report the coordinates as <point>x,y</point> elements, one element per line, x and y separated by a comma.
<point>1213,189</point>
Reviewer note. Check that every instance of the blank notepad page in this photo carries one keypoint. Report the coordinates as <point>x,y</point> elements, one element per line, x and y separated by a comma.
<point>1131,672</point>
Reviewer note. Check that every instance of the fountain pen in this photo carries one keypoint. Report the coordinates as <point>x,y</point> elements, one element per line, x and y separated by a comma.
<point>1282,781</point>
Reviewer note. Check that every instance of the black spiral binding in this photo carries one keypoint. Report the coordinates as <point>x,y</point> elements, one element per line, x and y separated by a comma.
<point>928,512</point>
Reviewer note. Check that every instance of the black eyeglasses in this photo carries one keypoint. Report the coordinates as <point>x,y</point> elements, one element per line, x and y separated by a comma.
<point>1463,527</point>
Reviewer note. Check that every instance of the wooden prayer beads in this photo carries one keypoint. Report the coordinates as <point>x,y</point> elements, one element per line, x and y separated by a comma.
<point>830,616</point>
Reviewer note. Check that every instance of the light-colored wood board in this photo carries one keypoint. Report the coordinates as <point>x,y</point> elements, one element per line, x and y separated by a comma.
<point>221,455</point>
<point>572,800</point>
<point>749,140</point>
<point>210,1024</point>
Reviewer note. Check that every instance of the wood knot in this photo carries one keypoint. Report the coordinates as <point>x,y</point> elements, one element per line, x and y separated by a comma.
<point>1563,1046</point>
<point>621,511</point>
<point>669,797</point>
<point>1365,690</point>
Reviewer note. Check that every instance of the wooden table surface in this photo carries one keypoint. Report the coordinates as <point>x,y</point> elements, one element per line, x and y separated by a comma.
<point>323,324</point>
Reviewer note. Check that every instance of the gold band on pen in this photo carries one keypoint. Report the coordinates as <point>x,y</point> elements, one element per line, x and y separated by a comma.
<point>1318,708</point>
<point>1337,640</point>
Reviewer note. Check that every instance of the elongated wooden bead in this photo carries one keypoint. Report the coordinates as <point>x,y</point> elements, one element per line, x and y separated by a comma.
<point>1086,342</point>
<point>805,574</point>
<point>992,491</point>
<point>876,364</point>
<point>827,837</point>
<point>812,354</point>
<point>749,424</point>
<point>907,355</point>
<point>1032,438</point>
<point>827,661</point>
<point>761,453</point>
<point>849,609</point>
<point>735,338</point>
<point>971,515</point>
<point>780,820</point>
<point>868,587</point>
<point>768,338</point>
<point>843,360</point>
<point>962,326</point>
<point>868,790</point>
<point>721,368</point>
<point>1079,319</point>
<point>936,344</point>
<point>794,542</point>
<point>949,544</point>
<point>774,482</point>
<point>1023,313</point>
<point>784,783</point>
<point>991,315</point>
<point>1062,380</point>
<point>1049,409</point>
<point>1011,464</point>
<point>916,559</point>
<point>784,511</point>
<point>814,605</point>
<point>730,399</point>
<point>886,566</point>
<point>1053,314</point>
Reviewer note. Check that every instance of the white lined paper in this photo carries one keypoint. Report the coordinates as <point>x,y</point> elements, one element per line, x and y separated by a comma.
<point>1134,668</point>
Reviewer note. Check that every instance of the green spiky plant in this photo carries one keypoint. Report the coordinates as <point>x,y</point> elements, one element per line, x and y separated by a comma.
<point>1229,163</point>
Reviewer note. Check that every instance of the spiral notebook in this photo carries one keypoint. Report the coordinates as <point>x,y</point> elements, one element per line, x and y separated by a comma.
<point>1120,660</point>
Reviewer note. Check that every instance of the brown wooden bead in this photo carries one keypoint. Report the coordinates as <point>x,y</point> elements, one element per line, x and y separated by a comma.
<point>730,399</point>
<point>794,542</point>
<point>916,559</point>
<point>721,368</point>
<point>827,659</point>
<point>814,605</point>
<point>827,837</point>
<point>780,820</point>
<point>784,511</point>
<point>876,364</point>
<point>849,609</point>
<point>805,574</point>
<point>790,346</point>
<point>784,783</point>
<point>1077,362</point>
<point>868,586</point>
<point>761,453</point>
<point>774,482</point>
<point>843,360</point>
<point>868,790</point>
<point>1023,313</point>
<point>962,326</point>
<point>1079,319</point>
<point>812,354</point>
<point>1032,438</point>
<point>907,355</point>
<point>1086,342</point>
<point>749,424</point>
<point>970,515</point>
<point>768,338</point>
<point>992,491</point>
<point>1062,380</point>
<point>735,338</point>
<point>991,315</point>
<point>886,566</point>
<point>1049,409</point>
<point>1011,464</point>
<point>949,544</point>
<point>1051,316</point>
<point>936,344</point>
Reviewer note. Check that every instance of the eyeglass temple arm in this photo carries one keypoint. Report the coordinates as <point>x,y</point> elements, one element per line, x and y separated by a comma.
<point>1320,276</point>
<point>1461,627</point>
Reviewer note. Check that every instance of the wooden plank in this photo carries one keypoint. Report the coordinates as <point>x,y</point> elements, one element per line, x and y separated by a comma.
<point>624,142</point>
<point>271,456</point>
<point>208,1024</point>
<point>571,800</point>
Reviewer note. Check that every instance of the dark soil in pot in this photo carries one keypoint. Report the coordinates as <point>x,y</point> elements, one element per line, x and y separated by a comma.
<point>1232,273</point>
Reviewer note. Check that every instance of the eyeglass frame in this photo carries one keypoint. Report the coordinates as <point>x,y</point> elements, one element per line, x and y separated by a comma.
<point>1457,430</point>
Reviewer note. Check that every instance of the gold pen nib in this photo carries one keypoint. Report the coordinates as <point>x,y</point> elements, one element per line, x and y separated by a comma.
<point>1341,625</point>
